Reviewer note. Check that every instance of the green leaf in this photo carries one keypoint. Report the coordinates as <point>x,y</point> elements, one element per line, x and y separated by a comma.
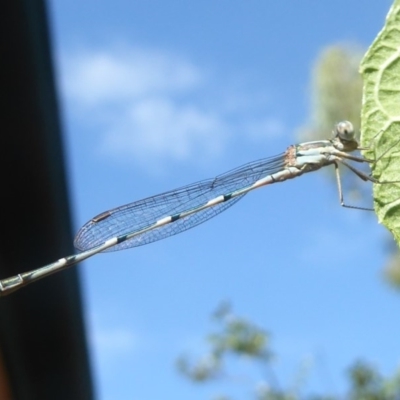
<point>380,118</point>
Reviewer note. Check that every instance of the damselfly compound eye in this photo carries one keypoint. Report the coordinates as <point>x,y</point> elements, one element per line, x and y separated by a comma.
<point>345,130</point>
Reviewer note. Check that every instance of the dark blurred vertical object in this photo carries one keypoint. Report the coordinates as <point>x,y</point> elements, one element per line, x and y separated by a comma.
<point>43,351</point>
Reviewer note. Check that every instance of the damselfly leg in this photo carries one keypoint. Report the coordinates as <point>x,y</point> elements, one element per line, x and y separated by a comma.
<point>362,175</point>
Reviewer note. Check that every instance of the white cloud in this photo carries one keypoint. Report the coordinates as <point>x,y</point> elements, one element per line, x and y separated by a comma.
<point>154,107</point>
<point>95,78</point>
<point>158,128</point>
<point>113,342</point>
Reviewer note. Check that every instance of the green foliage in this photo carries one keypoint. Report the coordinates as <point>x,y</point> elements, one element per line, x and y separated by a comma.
<point>336,91</point>
<point>240,338</point>
<point>392,270</point>
<point>368,384</point>
<point>380,118</point>
<point>336,95</point>
<point>236,337</point>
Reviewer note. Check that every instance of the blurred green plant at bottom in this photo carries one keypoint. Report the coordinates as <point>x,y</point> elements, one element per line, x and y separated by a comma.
<point>240,340</point>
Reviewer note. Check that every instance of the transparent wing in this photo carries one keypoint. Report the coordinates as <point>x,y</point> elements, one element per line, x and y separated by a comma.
<point>144,213</point>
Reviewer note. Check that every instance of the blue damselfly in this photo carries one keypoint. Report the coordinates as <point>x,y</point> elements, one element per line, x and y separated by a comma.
<point>167,214</point>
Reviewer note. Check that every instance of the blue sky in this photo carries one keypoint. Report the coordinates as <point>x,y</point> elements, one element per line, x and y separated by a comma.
<point>158,94</point>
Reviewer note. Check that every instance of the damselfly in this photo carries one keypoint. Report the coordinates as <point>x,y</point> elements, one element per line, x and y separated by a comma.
<point>167,214</point>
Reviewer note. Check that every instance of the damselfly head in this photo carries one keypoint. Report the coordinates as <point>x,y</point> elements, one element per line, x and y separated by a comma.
<point>344,131</point>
